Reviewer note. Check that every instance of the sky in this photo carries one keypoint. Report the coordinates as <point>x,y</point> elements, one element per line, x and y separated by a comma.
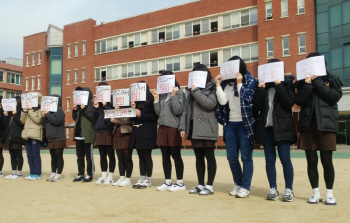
<point>21,18</point>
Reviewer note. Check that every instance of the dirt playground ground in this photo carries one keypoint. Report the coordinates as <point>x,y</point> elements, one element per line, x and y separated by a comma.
<point>41,201</point>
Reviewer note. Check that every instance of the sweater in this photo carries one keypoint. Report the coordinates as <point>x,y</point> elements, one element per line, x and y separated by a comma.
<point>234,103</point>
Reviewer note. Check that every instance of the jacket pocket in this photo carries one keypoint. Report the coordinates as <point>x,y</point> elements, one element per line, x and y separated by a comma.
<point>204,128</point>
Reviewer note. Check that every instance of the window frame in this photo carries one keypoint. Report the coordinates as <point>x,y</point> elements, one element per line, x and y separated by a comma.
<point>284,48</point>
<point>27,84</point>
<point>33,83</point>
<point>267,17</point>
<point>39,57</point>
<point>76,49</point>
<point>69,53</point>
<point>33,59</point>
<point>27,58</point>
<point>68,77</point>
<point>301,6</point>
<point>83,75</point>
<point>282,3</point>
<point>76,76</point>
<point>267,48</point>
<point>39,82</point>
<point>84,48</point>
<point>299,47</point>
<point>68,104</point>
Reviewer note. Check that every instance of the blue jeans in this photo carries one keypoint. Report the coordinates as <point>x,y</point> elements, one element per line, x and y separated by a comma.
<point>33,155</point>
<point>283,148</point>
<point>237,140</point>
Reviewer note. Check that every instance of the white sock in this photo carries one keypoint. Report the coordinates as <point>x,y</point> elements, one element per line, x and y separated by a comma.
<point>122,178</point>
<point>110,175</point>
<point>148,178</point>
<point>52,174</point>
<point>209,188</point>
<point>168,181</point>
<point>128,180</point>
<point>14,172</point>
<point>200,187</point>
<point>179,182</point>
<point>316,192</point>
<point>19,172</point>
<point>58,175</point>
<point>143,178</point>
<point>104,174</point>
<point>329,193</point>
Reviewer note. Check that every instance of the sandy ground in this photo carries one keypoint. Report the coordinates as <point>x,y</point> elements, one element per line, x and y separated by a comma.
<point>41,201</point>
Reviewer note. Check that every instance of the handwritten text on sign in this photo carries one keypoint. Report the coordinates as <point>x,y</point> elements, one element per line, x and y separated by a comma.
<point>138,92</point>
<point>80,97</point>
<point>270,72</point>
<point>229,69</point>
<point>29,100</point>
<point>165,84</point>
<point>8,104</point>
<point>311,66</point>
<point>197,78</point>
<point>121,97</point>
<point>49,103</point>
<point>103,93</point>
<point>120,113</point>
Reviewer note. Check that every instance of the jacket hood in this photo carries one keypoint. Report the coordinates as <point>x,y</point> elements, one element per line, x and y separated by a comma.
<point>59,99</point>
<point>39,98</point>
<point>90,92</point>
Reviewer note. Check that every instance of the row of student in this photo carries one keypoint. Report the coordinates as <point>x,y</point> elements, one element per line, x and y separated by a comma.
<point>249,112</point>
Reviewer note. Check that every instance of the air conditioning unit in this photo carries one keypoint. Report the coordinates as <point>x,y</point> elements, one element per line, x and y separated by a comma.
<point>301,9</point>
<point>269,16</point>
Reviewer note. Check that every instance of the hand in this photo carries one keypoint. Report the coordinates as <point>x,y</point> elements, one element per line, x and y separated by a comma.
<point>96,105</point>
<point>25,109</point>
<point>263,85</point>
<point>308,80</point>
<point>112,119</point>
<point>75,107</point>
<point>239,78</point>
<point>218,80</point>
<point>29,108</point>
<point>104,103</point>
<point>5,113</point>
<point>133,104</point>
<point>277,82</point>
<point>193,87</point>
<point>155,94</point>
<point>14,112</point>
<point>175,90</point>
<point>314,77</point>
<point>43,113</point>
<point>182,134</point>
<point>116,107</point>
<point>82,106</point>
<point>138,113</point>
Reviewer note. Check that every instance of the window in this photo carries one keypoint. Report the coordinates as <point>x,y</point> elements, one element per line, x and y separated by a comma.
<point>68,104</point>
<point>205,25</point>
<point>39,84</point>
<point>1,76</point>
<point>188,62</point>
<point>124,42</point>
<point>213,59</point>
<point>131,41</point>
<point>33,54</point>
<point>97,75</point>
<point>214,24</point>
<point>188,29</point>
<point>144,68</point>
<point>39,58</point>
<point>144,38</point>
<point>301,6</point>
<point>245,18</point>
<point>68,133</point>
<point>176,31</point>
<point>169,33</point>
<point>270,48</point>
<point>68,77</point>
<point>205,58</point>
<point>97,47</point>
<point>12,94</point>
<point>76,49</point>
<point>268,7</point>
<point>103,45</point>
<point>173,63</point>
<point>239,19</point>
<point>154,66</point>
<point>75,76</point>
<point>14,78</point>
<point>253,16</point>
<point>83,76</point>
<point>84,48</point>
<point>124,71</point>
<point>284,8</point>
<point>33,84</point>
<point>285,44</point>
<point>196,28</point>
<point>130,70</point>
<point>115,43</point>
<point>27,60</point>
<point>248,53</point>
<point>302,43</point>
<point>27,84</point>
<point>109,45</point>
<point>137,39</point>
<point>105,73</point>
<point>68,51</point>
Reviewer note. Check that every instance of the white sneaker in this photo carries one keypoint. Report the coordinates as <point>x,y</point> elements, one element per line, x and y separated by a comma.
<point>273,194</point>
<point>138,184</point>
<point>242,193</point>
<point>125,183</point>
<point>108,181</point>
<point>51,177</point>
<point>330,200</point>
<point>164,186</point>
<point>29,177</point>
<point>146,183</point>
<point>0,174</point>
<point>35,177</point>
<point>118,182</point>
<point>235,190</point>
<point>100,180</point>
<point>15,177</point>
<point>9,176</point>
<point>57,178</point>
<point>315,199</point>
<point>177,187</point>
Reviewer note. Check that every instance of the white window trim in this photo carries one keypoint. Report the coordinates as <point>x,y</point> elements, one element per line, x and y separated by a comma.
<point>68,83</point>
<point>68,104</point>
<point>39,82</point>
<point>76,49</point>
<point>267,48</point>
<point>69,51</point>
<point>33,83</point>
<point>39,58</point>
<point>285,55</point>
<point>83,53</point>
<point>82,72</point>
<point>27,83</point>
<point>27,58</point>
<point>299,34</point>
<point>76,76</point>
<point>268,1</point>
<point>303,13</point>
<point>286,16</point>
<point>33,58</point>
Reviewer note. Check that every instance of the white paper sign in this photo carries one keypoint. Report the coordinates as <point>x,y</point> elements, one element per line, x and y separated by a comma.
<point>138,92</point>
<point>103,93</point>
<point>120,113</point>
<point>270,72</point>
<point>29,100</point>
<point>311,66</point>
<point>198,78</point>
<point>8,104</point>
<point>165,84</point>
<point>80,97</point>
<point>121,97</point>
<point>229,69</point>
<point>49,103</point>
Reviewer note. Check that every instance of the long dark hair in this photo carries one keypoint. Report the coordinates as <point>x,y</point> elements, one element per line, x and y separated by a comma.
<point>149,97</point>
<point>19,104</point>
<point>242,66</point>
<point>109,104</point>
<point>169,72</point>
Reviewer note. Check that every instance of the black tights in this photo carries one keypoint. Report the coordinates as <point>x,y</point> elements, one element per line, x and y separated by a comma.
<point>328,168</point>
<point>175,152</point>
<point>104,151</point>
<point>146,162</point>
<point>1,159</point>
<point>16,159</point>
<point>207,153</point>
<point>57,161</point>
<point>125,163</point>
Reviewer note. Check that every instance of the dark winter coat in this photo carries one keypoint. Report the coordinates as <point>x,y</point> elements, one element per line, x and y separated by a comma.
<point>2,124</point>
<point>13,129</point>
<point>102,124</point>
<point>319,98</point>
<point>282,116</point>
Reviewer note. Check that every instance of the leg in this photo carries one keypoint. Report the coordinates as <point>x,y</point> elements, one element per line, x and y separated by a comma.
<point>179,164</point>
<point>200,164</point>
<point>80,151</point>
<point>312,161</point>
<point>142,163</point>
<point>111,156</point>
<point>103,157</point>
<point>247,157</point>
<point>328,168</point>
<point>121,162</point>
<point>19,156</point>
<point>1,159</point>
<point>211,162</point>
<point>29,149</point>
<point>270,156</point>
<point>36,156</point>
<point>89,159</point>
<point>128,162</point>
<point>13,159</point>
<point>53,161</point>
<point>148,162</point>
<point>166,161</point>
<point>284,154</point>
<point>60,161</point>
<point>231,140</point>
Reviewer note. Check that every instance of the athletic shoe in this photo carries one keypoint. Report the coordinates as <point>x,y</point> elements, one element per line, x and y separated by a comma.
<point>57,178</point>
<point>195,190</point>
<point>51,177</point>
<point>108,181</point>
<point>78,178</point>
<point>235,190</point>
<point>29,177</point>
<point>330,200</point>
<point>118,182</point>
<point>137,185</point>
<point>177,187</point>
<point>35,177</point>
<point>125,183</point>
<point>146,183</point>
<point>206,191</point>
<point>99,181</point>
<point>273,194</point>
<point>242,193</point>
<point>87,179</point>
<point>15,177</point>
<point>9,176</point>
<point>315,199</point>
<point>0,174</point>
<point>164,186</point>
<point>288,195</point>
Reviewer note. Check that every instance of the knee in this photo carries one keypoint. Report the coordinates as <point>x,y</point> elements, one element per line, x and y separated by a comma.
<point>270,160</point>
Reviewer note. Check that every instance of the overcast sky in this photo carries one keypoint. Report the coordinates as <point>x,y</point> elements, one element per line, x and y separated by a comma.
<point>21,18</point>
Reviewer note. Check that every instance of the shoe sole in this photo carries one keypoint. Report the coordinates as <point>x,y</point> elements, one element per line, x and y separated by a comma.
<point>272,199</point>
<point>242,197</point>
<point>176,190</point>
<point>327,203</point>
<point>316,202</point>
<point>287,200</point>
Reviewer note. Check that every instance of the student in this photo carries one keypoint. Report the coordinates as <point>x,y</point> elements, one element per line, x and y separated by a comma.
<point>235,97</point>
<point>13,140</point>
<point>274,126</point>
<point>318,124</point>
<point>54,123</point>
<point>84,136</point>
<point>169,108</point>
<point>33,136</point>
<point>121,144</point>
<point>104,141</point>
<point>2,132</point>
<point>199,124</point>
<point>143,137</point>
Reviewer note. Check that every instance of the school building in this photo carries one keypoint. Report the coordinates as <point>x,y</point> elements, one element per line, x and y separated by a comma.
<point>138,48</point>
<point>10,80</point>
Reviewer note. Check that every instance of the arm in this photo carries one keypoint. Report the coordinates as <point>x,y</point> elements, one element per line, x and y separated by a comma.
<point>17,119</point>
<point>285,95</point>
<point>24,116</point>
<point>95,113</point>
<point>43,121</point>
<point>156,106</point>
<point>88,114</point>
<point>222,97</point>
<point>259,100</point>
<point>150,115</point>
<point>56,118</point>
<point>329,95</point>
<point>247,93</point>
<point>207,102</point>
<point>35,116</point>
<point>75,114</point>
<point>177,102</point>
<point>182,125</point>
<point>304,94</point>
